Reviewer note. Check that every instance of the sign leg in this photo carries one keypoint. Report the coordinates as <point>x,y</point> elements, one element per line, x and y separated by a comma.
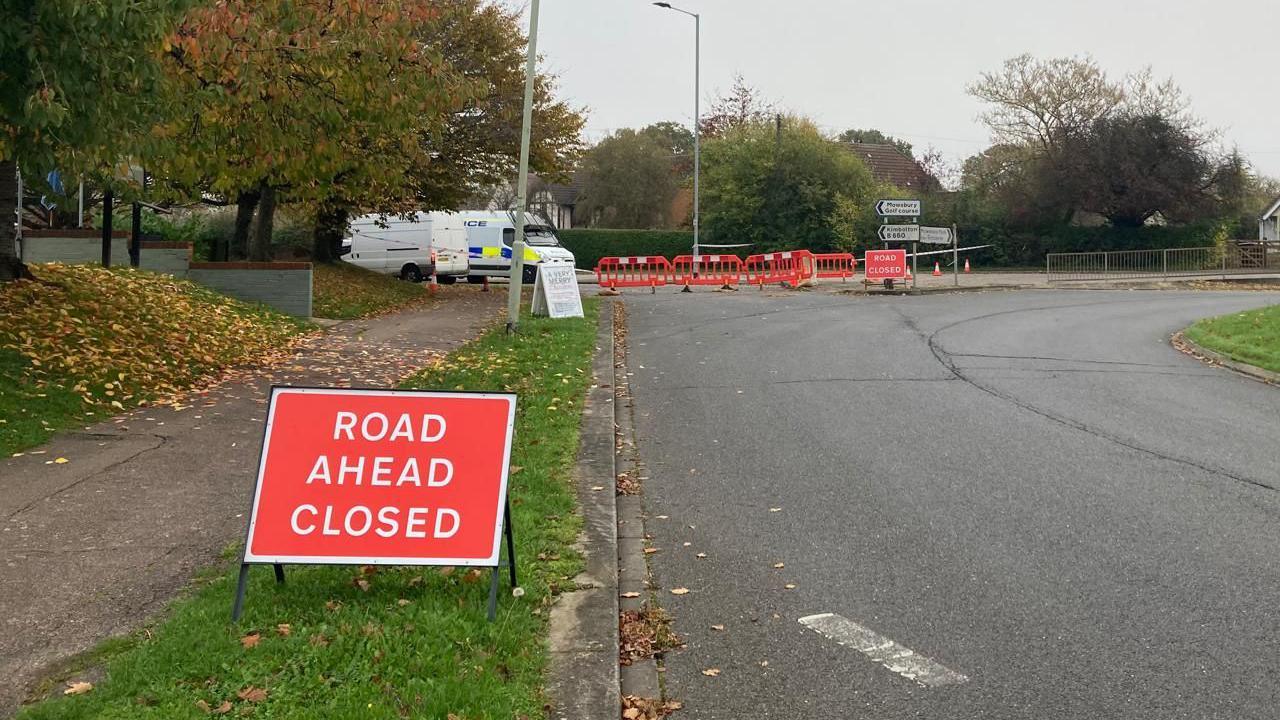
<point>493,595</point>
<point>511,544</point>
<point>238,605</point>
<point>279,573</point>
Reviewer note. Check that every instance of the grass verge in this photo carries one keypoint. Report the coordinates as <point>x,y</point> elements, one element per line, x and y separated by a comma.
<point>342,291</point>
<point>345,642</point>
<point>82,342</point>
<point>1251,337</point>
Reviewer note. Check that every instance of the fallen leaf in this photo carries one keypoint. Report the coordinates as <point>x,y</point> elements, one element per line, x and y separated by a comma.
<point>631,713</point>
<point>701,555</point>
<point>650,551</point>
<point>77,688</point>
<point>711,672</point>
<point>250,641</point>
<point>779,566</point>
<point>362,584</point>
<point>222,709</point>
<point>717,627</point>
<point>61,461</point>
<point>680,591</point>
<point>597,488</point>
<point>252,694</point>
<point>790,586</point>
<point>402,602</point>
<point>775,509</point>
<point>631,594</point>
<point>284,629</point>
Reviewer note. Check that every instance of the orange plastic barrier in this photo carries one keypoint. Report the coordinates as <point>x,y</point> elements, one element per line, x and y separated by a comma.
<point>643,271</point>
<point>835,265</point>
<point>719,270</point>
<point>792,266</point>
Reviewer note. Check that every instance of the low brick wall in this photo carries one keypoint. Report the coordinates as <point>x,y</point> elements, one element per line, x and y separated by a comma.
<point>282,286</point>
<point>72,246</point>
<point>172,258</point>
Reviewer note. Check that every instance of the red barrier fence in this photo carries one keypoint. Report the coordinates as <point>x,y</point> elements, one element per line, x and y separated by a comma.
<point>793,266</point>
<point>644,271</point>
<point>835,265</point>
<point>719,270</point>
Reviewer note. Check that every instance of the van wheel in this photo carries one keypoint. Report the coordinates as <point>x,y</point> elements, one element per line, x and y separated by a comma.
<point>446,279</point>
<point>530,274</point>
<point>475,279</point>
<point>411,273</point>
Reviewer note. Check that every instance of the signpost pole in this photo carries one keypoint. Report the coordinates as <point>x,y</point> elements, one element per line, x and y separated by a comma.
<point>522,180</point>
<point>955,253</point>
<point>915,268</point>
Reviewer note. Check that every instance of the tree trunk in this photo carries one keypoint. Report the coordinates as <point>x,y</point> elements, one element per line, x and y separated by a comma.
<point>11,267</point>
<point>246,203</point>
<point>330,227</point>
<point>260,243</point>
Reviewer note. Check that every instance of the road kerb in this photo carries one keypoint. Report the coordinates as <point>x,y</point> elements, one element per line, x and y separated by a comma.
<point>583,681</point>
<point>1186,345</point>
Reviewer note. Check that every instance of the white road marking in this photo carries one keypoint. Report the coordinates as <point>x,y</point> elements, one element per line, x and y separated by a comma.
<point>881,649</point>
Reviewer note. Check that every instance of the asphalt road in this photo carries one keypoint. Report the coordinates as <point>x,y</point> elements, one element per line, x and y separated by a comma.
<point>1031,490</point>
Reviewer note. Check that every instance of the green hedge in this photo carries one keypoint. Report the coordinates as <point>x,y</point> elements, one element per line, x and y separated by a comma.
<point>1028,248</point>
<point>589,245</point>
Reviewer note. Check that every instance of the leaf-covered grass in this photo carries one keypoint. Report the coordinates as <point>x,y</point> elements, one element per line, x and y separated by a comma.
<point>81,341</point>
<point>340,642</point>
<point>1251,337</point>
<point>342,291</point>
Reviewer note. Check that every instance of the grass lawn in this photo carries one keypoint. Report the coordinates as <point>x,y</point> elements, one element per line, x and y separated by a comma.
<point>82,342</point>
<point>342,291</point>
<point>340,642</point>
<point>1251,337</point>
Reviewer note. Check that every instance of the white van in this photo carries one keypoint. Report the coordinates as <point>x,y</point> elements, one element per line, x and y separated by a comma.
<point>412,248</point>
<point>490,235</point>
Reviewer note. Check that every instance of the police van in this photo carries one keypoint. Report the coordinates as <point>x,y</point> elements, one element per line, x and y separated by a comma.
<point>490,235</point>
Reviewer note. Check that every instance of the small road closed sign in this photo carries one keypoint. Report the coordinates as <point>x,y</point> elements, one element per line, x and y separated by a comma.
<point>374,477</point>
<point>885,265</point>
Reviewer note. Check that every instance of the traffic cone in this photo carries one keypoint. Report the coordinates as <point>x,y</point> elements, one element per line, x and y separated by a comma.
<point>909,273</point>
<point>966,264</point>
<point>432,288</point>
<point>937,269</point>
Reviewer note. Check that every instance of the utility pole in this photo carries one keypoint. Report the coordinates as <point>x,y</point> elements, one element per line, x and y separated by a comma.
<point>522,181</point>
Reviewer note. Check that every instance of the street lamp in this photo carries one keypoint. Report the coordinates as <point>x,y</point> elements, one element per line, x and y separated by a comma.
<point>697,149</point>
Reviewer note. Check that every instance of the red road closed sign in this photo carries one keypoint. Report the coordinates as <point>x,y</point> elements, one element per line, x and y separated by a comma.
<point>398,477</point>
<point>886,264</point>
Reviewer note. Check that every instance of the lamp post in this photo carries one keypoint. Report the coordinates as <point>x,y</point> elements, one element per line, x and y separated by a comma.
<point>697,149</point>
<point>522,180</point>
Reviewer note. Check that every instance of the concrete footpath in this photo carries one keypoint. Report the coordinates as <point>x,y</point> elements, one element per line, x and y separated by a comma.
<point>94,546</point>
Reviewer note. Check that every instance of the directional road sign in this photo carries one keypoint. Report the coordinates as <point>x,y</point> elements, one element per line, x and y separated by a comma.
<point>900,233</point>
<point>898,208</point>
<point>936,235</point>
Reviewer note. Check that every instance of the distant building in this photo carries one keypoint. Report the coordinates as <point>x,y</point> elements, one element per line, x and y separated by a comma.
<point>890,165</point>
<point>1269,223</point>
<point>557,203</point>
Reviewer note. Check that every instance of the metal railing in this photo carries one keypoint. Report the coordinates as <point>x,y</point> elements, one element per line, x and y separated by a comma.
<point>1230,259</point>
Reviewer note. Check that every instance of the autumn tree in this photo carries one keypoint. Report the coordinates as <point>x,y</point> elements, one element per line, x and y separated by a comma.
<point>472,146</point>
<point>739,107</point>
<point>297,100</point>
<point>76,80</point>
<point>628,181</point>
<point>875,137</point>
<point>779,189</point>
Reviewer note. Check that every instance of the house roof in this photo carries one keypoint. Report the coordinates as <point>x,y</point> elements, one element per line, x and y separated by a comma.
<point>888,164</point>
<point>562,194</point>
<point>1271,211</point>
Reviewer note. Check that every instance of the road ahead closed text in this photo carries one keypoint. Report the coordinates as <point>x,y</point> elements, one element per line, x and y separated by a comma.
<point>355,476</point>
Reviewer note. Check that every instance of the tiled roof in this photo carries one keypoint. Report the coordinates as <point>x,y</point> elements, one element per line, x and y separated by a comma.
<point>888,164</point>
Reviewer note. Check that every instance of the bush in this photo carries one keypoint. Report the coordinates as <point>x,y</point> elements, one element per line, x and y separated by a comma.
<point>589,245</point>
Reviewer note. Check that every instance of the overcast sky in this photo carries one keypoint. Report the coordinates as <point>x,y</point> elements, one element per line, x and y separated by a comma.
<point>901,66</point>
